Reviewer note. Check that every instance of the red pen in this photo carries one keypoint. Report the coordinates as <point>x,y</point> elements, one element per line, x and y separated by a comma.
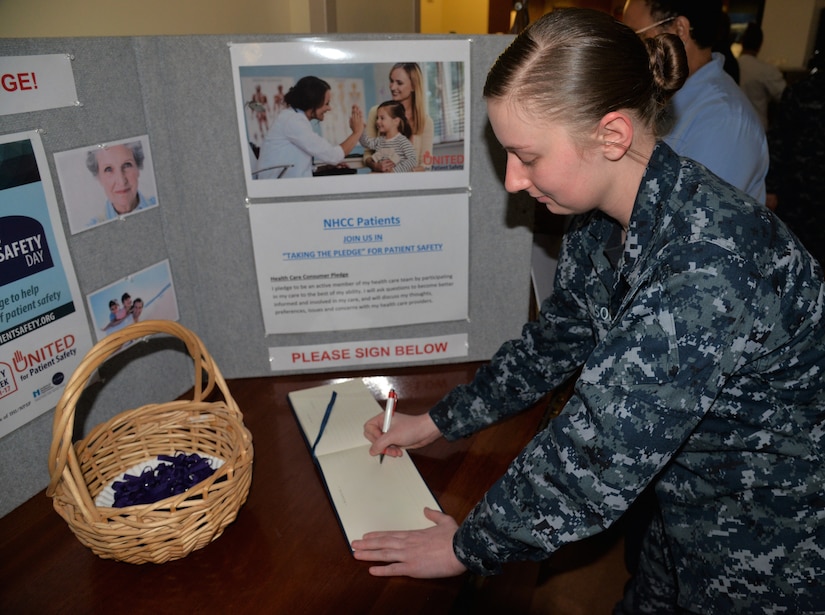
<point>392,398</point>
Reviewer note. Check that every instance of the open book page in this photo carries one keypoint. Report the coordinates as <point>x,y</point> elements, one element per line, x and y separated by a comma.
<point>354,406</point>
<point>371,496</point>
<point>367,495</point>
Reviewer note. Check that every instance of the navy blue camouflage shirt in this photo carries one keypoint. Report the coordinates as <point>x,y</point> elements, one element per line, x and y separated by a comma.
<point>702,348</point>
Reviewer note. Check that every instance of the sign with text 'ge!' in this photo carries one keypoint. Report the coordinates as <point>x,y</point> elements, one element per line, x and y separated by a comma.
<point>33,83</point>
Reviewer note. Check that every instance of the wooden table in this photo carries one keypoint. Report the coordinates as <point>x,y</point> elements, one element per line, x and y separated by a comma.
<point>285,552</point>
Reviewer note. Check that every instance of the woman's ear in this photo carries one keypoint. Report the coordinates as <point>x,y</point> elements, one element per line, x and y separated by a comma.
<point>615,134</point>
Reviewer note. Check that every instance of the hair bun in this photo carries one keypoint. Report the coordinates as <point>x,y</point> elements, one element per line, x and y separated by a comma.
<point>668,63</point>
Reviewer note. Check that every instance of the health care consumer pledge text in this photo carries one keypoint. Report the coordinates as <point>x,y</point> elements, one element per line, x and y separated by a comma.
<point>334,292</point>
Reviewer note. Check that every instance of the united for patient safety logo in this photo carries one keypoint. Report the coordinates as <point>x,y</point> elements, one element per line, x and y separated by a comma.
<point>29,363</point>
<point>445,162</point>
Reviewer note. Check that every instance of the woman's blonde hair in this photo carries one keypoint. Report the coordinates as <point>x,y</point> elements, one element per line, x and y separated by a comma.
<point>419,106</point>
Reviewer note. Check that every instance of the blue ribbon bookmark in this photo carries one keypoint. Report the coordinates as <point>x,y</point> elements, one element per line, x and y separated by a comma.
<point>327,412</point>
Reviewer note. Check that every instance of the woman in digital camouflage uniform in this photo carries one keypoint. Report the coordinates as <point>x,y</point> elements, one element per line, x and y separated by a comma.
<point>696,319</point>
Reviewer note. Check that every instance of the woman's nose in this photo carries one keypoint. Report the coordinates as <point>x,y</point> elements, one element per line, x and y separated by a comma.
<point>515,180</point>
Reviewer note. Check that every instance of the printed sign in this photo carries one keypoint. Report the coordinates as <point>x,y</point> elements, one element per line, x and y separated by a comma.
<point>43,329</point>
<point>33,83</point>
<point>361,264</point>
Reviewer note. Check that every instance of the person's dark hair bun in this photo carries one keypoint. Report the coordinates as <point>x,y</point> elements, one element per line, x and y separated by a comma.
<point>308,93</point>
<point>668,63</point>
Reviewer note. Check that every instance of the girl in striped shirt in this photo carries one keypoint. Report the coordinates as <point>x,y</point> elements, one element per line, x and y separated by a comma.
<point>393,151</point>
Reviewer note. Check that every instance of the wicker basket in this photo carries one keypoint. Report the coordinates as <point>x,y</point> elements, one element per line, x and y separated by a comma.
<point>175,526</point>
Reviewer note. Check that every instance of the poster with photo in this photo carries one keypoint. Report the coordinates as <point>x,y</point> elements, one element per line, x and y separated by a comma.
<point>106,182</point>
<point>44,333</point>
<point>361,264</point>
<point>148,294</point>
<point>296,103</point>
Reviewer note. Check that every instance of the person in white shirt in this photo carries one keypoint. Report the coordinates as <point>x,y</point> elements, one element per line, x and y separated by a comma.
<point>713,122</point>
<point>761,82</point>
<point>291,146</point>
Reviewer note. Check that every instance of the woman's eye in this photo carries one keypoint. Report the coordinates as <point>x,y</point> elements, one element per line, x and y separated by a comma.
<point>525,161</point>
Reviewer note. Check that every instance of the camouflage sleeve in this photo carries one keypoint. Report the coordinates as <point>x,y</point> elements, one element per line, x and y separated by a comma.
<point>642,392</point>
<point>523,370</point>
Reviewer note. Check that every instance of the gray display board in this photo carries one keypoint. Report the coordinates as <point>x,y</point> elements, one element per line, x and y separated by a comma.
<point>179,91</point>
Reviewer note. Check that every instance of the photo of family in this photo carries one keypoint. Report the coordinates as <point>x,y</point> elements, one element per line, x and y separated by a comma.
<point>146,295</point>
<point>106,182</point>
<point>354,125</point>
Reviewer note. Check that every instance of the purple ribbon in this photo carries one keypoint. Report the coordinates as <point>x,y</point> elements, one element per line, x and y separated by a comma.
<point>180,473</point>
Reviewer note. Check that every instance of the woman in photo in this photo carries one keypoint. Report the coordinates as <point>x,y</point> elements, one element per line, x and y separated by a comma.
<point>694,321</point>
<point>291,146</point>
<point>406,87</point>
<point>117,168</point>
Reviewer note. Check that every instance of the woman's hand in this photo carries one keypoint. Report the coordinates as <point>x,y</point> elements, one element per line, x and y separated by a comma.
<point>423,554</point>
<point>407,431</point>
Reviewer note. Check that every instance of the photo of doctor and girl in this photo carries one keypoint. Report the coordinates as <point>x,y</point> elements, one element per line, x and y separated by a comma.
<point>396,136</point>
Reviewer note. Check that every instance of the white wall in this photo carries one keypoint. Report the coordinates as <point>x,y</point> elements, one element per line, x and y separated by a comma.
<point>790,31</point>
<point>76,18</point>
<point>356,16</point>
<point>64,18</point>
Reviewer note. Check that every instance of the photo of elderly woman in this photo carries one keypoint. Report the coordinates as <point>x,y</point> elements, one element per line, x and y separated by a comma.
<point>106,182</point>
